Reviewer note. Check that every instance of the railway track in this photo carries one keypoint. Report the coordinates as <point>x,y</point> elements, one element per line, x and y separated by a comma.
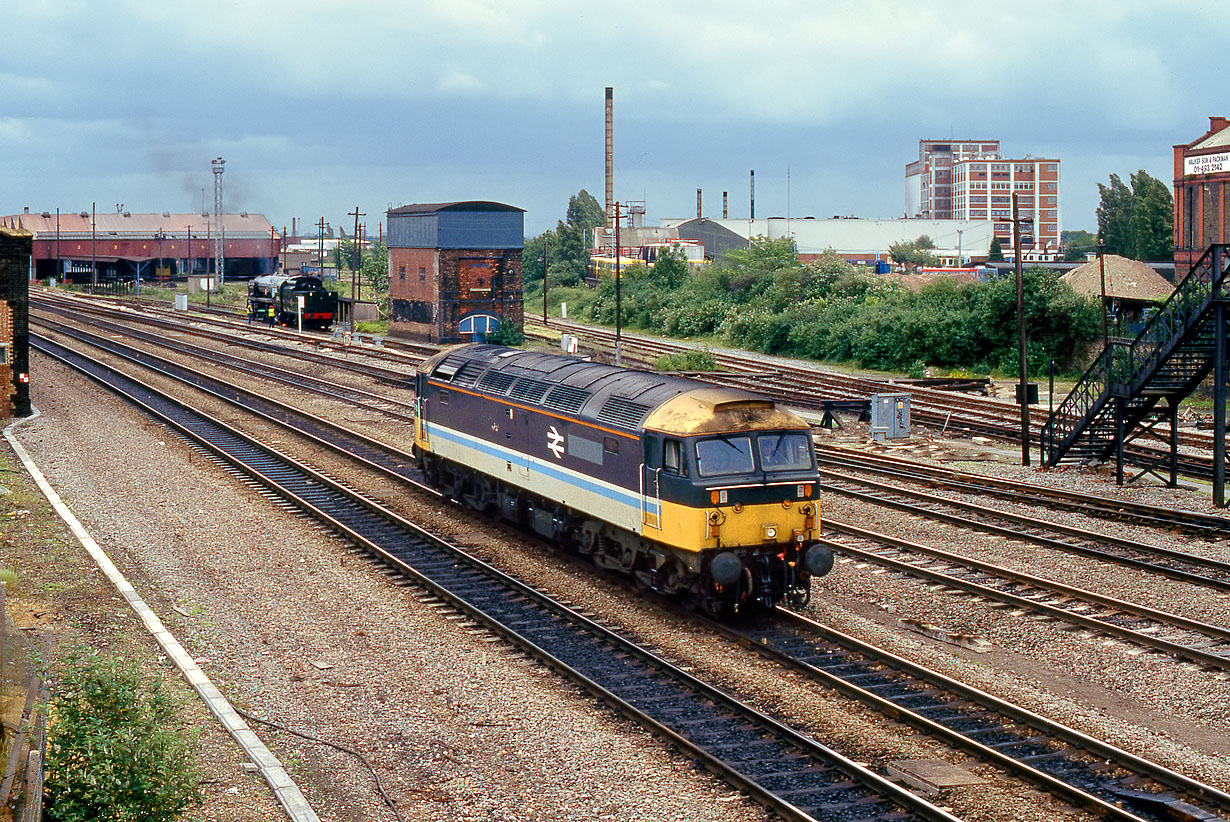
<point>1059,760</point>
<point>307,346</point>
<point>1087,772</point>
<point>1209,526</point>
<point>803,386</point>
<point>379,403</point>
<point>1168,633</point>
<point>1180,565</point>
<point>795,776</point>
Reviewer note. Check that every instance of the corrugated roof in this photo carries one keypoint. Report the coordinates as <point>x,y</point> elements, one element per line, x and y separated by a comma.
<point>236,225</point>
<point>460,205</point>
<point>1220,139</point>
<point>1125,279</point>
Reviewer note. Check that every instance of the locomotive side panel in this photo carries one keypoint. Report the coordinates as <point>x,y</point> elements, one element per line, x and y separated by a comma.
<point>582,467</point>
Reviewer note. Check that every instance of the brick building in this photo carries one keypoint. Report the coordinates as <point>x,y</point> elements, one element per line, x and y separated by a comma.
<point>454,269</point>
<point>928,180</point>
<point>14,323</point>
<point>1201,178</point>
<point>971,180</point>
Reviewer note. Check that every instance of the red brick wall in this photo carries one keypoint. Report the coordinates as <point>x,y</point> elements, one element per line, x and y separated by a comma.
<point>440,286</point>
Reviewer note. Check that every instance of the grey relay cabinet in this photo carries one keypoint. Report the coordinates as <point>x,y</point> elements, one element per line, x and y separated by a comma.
<point>890,416</point>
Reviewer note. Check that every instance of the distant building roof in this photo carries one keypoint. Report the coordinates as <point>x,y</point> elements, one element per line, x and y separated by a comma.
<point>1125,279</point>
<point>460,205</point>
<point>241,225</point>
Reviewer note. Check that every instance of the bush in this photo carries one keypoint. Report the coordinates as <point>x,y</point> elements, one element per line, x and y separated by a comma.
<point>686,361</point>
<point>507,333</point>
<point>115,749</point>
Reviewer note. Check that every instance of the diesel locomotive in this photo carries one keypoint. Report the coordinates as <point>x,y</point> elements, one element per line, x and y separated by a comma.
<point>283,292</point>
<point>706,494</point>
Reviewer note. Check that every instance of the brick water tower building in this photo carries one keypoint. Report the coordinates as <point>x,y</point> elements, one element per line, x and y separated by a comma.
<point>1201,186</point>
<point>454,269</point>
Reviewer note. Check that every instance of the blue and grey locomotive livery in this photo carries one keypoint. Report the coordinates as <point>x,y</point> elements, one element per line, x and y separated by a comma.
<point>702,493</point>
<point>282,292</point>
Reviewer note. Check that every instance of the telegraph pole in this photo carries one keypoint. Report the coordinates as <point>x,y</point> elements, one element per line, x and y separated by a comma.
<point>1102,272</point>
<point>618,303</point>
<point>544,279</point>
<point>1023,388</point>
<point>354,258</point>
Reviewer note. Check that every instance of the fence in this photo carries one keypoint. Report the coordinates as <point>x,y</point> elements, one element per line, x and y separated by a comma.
<point>23,698</point>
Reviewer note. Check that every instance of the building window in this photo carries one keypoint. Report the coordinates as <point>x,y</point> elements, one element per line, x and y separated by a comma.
<point>401,272</point>
<point>422,274</point>
<point>1048,186</point>
<point>1052,167</point>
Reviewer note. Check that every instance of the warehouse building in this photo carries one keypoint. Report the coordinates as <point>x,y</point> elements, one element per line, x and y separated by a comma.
<point>454,269</point>
<point>86,247</point>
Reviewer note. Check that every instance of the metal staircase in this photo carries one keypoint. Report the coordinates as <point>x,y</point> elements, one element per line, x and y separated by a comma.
<point>1133,380</point>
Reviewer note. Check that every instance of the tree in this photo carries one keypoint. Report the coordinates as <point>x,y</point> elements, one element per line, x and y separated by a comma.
<point>1115,218</point>
<point>914,253</point>
<point>1152,223</point>
<point>1136,222</point>
<point>584,211</point>
<point>115,747</point>
<point>1076,244</point>
<point>996,254</point>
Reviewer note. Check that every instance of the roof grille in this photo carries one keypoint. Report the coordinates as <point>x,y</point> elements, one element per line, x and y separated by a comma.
<point>529,390</point>
<point>623,412</point>
<point>468,374</point>
<point>566,398</point>
<point>448,367</point>
<point>497,382</point>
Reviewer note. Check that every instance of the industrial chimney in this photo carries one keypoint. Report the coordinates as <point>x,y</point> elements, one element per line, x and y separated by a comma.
<point>698,212</point>
<point>752,216</point>
<point>723,205</point>
<point>610,154</point>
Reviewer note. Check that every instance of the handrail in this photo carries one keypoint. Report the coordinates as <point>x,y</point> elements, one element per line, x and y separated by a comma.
<point>1124,368</point>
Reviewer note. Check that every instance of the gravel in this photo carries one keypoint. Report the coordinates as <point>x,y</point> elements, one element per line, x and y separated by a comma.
<point>298,629</point>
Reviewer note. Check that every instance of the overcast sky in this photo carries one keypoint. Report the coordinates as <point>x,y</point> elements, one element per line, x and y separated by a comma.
<point>321,106</point>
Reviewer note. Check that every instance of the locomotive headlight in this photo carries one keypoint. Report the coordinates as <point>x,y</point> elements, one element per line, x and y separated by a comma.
<point>770,532</point>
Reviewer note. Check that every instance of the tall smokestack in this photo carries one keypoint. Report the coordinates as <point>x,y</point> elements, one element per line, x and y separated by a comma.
<point>753,214</point>
<point>610,154</point>
<point>723,205</point>
<point>698,212</point>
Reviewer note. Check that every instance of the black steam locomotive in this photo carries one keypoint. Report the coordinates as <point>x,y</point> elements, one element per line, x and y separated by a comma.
<point>282,293</point>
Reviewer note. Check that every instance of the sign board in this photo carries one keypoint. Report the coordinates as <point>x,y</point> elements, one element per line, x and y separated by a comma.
<point>1207,164</point>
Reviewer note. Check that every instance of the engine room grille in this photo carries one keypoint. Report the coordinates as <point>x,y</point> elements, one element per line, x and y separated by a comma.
<point>468,373</point>
<point>497,382</point>
<point>566,398</point>
<point>623,412</point>
<point>529,390</point>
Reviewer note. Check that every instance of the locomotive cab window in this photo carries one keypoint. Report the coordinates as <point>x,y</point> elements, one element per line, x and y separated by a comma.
<point>672,456</point>
<point>723,456</point>
<point>787,451</point>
